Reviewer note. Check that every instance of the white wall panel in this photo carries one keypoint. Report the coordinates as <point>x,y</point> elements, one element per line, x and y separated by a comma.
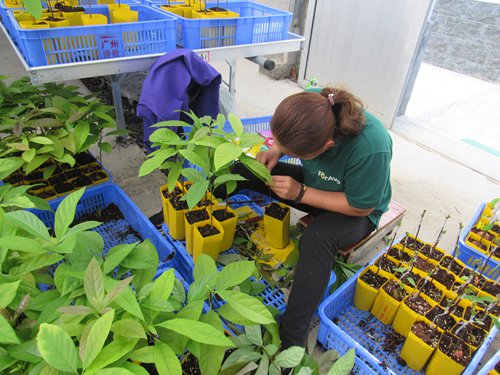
<point>367,46</point>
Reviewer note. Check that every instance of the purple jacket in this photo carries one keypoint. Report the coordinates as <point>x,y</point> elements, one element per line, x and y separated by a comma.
<point>179,80</point>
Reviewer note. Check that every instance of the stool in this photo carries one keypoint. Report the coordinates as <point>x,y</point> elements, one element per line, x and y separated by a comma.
<point>388,221</point>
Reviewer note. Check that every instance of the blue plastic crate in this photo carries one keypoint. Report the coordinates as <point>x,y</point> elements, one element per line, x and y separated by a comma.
<point>154,33</point>
<point>184,264</point>
<point>469,255</point>
<point>6,21</point>
<point>116,232</point>
<point>490,365</point>
<point>257,23</point>
<point>339,329</point>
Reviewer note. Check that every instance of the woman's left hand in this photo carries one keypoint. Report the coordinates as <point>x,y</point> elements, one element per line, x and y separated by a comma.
<point>286,187</point>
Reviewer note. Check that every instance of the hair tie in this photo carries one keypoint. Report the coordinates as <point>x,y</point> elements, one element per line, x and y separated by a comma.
<point>331,99</point>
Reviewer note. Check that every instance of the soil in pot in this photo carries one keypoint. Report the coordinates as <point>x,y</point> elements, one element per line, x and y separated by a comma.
<point>406,279</point>
<point>97,176</point>
<point>482,320</point>
<point>374,280</point>
<point>196,216</point>
<point>204,203</point>
<point>444,278</point>
<point>68,8</point>
<point>437,316</point>
<point>177,204</point>
<point>434,254</point>
<point>457,310</point>
<point>455,267</point>
<point>430,290</point>
<point>91,168</point>
<point>470,333</point>
<point>423,265</point>
<point>47,194</point>
<point>417,303</point>
<point>14,178</point>
<point>481,233</point>
<point>455,348</point>
<point>478,244</point>
<point>190,366</point>
<point>84,158</point>
<point>491,288</point>
<point>395,290</point>
<point>222,215</point>
<point>276,211</point>
<point>412,243</point>
<point>81,181</point>
<point>478,280</point>
<point>208,230</point>
<point>386,265</point>
<point>34,176</point>
<point>426,333</point>
<point>399,254</point>
<point>72,173</point>
<point>174,193</point>
<point>63,187</point>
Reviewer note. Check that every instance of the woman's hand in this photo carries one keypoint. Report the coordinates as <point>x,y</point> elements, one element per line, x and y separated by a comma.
<point>286,187</point>
<point>269,157</point>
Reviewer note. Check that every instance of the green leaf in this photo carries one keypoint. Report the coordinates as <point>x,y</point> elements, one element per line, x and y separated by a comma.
<point>234,274</point>
<point>197,331</point>
<point>28,155</point>
<point>226,178</point>
<point>94,284</point>
<point>231,315</point>
<point>21,243</point>
<point>263,365</point>
<point>129,328</point>
<point>344,364</point>
<point>45,123</point>
<point>57,348</point>
<point>164,136</point>
<point>209,141</point>
<point>254,334</point>
<point>66,212</point>
<point>97,337</point>
<point>126,300</point>
<point>81,132</point>
<point>290,357</point>
<point>36,263</point>
<point>106,147</point>
<point>197,158</point>
<point>247,306</point>
<point>116,255</point>
<point>111,353</point>
<point>204,266</point>
<point>155,162</point>
<point>196,193</point>
<point>9,165</point>
<point>41,140</point>
<point>173,176</point>
<point>165,360</point>
<point>211,357</point>
<point>114,371</point>
<point>79,228</point>
<point>225,154</point>
<point>135,368</point>
<point>8,292</point>
<point>33,7</point>
<point>236,124</point>
<point>258,169</point>
<point>192,174</point>
<point>248,140</point>
<point>7,333</point>
<point>143,355</point>
<point>163,285</point>
<point>30,223</point>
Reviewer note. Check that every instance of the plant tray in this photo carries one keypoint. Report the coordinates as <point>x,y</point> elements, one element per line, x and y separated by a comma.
<point>470,256</point>
<point>184,263</point>
<point>118,231</point>
<point>340,329</point>
<point>256,24</point>
<point>83,170</point>
<point>153,33</point>
<point>6,21</point>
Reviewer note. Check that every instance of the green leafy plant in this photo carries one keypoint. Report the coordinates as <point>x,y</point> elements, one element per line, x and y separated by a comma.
<point>208,147</point>
<point>42,125</point>
<point>13,198</point>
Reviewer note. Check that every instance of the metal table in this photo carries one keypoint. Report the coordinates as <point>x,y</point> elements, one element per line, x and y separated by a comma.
<point>116,68</point>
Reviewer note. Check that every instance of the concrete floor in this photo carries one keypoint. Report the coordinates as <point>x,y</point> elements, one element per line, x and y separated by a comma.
<point>432,167</point>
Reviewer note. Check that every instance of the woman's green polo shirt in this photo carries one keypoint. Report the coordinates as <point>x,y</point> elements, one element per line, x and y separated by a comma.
<point>358,165</point>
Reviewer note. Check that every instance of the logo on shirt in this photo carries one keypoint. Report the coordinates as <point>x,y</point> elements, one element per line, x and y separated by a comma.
<point>324,177</point>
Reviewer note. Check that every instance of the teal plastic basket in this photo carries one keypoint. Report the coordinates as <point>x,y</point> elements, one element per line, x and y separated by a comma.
<point>256,23</point>
<point>153,33</point>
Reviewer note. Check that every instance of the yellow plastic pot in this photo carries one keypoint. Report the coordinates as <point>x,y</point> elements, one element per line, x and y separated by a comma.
<point>207,245</point>
<point>123,16</point>
<point>278,231</point>
<point>105,1</point>
<point>365,295</point>
<point>226,14</point>
<point>176,227</point>
<point>174,8</point>
<point>474,236</point>
<point>189,228</point>
<point>55,24</point>
<point>21,15</point>
<point>405,316</point>
<point>229,227</point>
<point>30,25</point>
<point>441,364</point>
<point>384,306</point>
<point>94,19</point>
<point>165,200</point>
<point>114,7</point>
<point>74,18</point>
<point>203,14</point>
<point>416,352</point>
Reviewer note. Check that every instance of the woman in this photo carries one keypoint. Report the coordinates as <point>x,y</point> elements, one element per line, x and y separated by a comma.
<point>344,181</point>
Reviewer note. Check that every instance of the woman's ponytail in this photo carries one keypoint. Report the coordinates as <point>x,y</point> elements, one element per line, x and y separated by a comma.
<point>348,110</point>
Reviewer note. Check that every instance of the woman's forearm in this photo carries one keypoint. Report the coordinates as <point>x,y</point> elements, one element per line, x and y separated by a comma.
<point>335,201</point>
